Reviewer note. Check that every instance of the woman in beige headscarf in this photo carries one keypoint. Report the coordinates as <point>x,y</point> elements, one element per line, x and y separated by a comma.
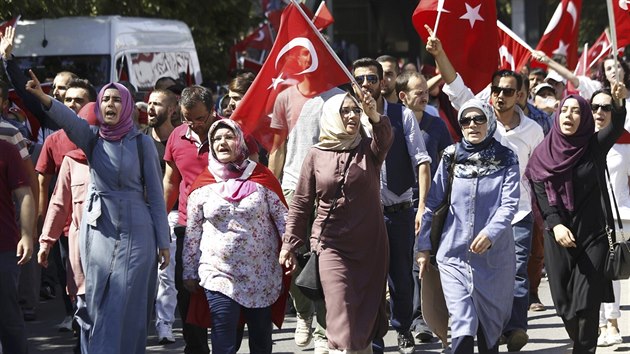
<point>341,172</point>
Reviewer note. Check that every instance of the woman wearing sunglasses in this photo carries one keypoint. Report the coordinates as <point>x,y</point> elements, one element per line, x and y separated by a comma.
<point>476,252</point>
<point>618,157</point>
<point>566,175</point>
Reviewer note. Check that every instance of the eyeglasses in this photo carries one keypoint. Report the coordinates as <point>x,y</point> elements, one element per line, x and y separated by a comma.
<point>605,107</point>
<point>371,79</point>
<point>507,91</point>
<point>195,121</point>
<point>479,120</point>
<point>347,110</point>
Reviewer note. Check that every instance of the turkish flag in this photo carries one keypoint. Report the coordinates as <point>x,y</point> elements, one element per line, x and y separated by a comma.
<point>468,32</point>
<point>298,58</point>
<point>260,38</point>
<point>10,23</point>
<point>599,49</point>
<point>514,53</point>
<point>622,22</point>
<point>561,34</point>
<point>323,18</point>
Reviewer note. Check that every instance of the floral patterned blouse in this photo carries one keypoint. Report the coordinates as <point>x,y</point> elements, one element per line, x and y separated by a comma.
<point>233,247</point>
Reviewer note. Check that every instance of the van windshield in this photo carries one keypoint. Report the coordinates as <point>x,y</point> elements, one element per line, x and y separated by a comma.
<point>95,68</point>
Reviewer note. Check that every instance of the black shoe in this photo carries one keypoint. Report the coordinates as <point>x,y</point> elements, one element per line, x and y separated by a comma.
<point>422,331</point>
<point>516,340</point>
<point>29,314</point>
<point>47,292</point>
<point>406,343</point>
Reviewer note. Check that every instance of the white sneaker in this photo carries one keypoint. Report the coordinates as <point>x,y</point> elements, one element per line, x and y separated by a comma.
<point>164,333</point>
<point>602,340</point>
<point>614,338</point>
<point>321,346</point>
<point>303,331</point>
<point>65,325</point>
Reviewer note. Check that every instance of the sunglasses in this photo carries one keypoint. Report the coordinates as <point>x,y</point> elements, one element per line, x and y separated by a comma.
<point>371,79</point>
<point>605,107</point>
<point>479,120</point>
<point>507,91</point>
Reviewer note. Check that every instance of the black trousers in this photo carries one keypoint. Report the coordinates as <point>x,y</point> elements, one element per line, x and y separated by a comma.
<point>466,344</point>
<point>196,338</point>
<point>582,330</point>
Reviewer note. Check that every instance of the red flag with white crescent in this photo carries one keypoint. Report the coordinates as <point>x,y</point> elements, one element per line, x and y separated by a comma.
<point>323,18</point>
<point>622,22</point>
<point>298,58</point>
<point>514,53</point>
<point>600,48</point>
<point>561,35</point>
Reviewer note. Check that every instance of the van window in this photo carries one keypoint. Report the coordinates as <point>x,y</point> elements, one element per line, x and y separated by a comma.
<point>95,68</point>
<point>147,68</point>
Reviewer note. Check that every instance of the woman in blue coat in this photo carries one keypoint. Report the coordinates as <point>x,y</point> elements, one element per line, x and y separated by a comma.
<point>124,232</point>
<point>476,252</point>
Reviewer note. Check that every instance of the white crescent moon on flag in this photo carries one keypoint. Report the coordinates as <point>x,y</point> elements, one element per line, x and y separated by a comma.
<point>623,4</point>
<point>504,53</point>
<point>301,42</point>
<point>261,36</point>
<point>554,19</point>
<point>572,10</point>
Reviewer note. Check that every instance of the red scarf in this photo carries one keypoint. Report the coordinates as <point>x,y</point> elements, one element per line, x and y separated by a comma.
<point>198,310</point>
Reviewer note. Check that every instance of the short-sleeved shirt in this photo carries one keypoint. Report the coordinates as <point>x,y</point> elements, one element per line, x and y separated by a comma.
<point>55,147</point>
<point>12,177</point>
<point>190,157</point>
<point>12,135</point>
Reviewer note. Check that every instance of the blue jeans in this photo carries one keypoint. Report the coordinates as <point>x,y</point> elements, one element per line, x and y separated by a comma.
<point>12,331</point>
<point>522,243</point>
<point>226,314</point>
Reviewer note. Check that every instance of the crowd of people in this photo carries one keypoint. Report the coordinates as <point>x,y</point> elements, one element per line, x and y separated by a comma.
<point>188,211</point>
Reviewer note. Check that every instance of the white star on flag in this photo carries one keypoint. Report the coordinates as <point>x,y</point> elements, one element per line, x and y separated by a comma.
<point>562,49</point>
<point>275,82</point>
<point>472,14</point>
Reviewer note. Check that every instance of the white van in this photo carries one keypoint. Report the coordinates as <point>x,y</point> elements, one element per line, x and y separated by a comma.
<point>109,48</point>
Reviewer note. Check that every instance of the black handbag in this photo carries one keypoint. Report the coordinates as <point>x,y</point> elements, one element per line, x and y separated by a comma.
<point>308,281</point>
<point>617,264</point>
<point>439,214</point>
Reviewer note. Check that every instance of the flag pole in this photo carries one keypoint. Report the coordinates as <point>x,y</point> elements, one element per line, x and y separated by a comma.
<point>319,9</point>
<point>321,38</point>
<point>613,35</point>
<point>440,9</point>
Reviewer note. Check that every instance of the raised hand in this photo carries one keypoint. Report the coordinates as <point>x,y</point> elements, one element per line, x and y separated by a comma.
<point>6,42</point>
<point>35,88</point>
<point>434,45</point>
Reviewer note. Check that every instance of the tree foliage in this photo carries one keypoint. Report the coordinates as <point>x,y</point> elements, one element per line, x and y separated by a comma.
<point>215,24</point>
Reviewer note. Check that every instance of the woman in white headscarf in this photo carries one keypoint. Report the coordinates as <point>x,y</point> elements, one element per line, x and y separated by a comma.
<point>353,249</point>
<point>476,252</point>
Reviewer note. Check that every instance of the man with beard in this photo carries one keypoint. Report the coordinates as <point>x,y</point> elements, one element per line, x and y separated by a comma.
<point>397,179</point>
<point>186,157</point>
<point>521,134</point>
<point>161,107</point>
<point>390,73</point>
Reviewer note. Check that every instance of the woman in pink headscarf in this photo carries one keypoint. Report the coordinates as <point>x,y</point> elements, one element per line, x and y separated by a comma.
<point>124,230</point>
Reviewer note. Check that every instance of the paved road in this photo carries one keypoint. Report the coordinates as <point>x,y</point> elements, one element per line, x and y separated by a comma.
<point>547,335</point>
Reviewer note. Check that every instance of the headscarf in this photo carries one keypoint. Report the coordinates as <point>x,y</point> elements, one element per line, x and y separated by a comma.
<point>485,157</point>
<point>553,159</point>
<point>125,124</point>
<point>232,178</point>
<point>332,134</point>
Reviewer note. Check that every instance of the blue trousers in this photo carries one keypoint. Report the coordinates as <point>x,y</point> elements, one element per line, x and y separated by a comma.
<point>12,331</point>
<point>522,243</point>
<point>226,314</point>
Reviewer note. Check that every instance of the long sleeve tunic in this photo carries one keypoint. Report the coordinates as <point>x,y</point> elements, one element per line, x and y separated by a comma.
<point>576,274</point>
<point>478,288</point>
<point>354,250</point>
<point>120,233</point>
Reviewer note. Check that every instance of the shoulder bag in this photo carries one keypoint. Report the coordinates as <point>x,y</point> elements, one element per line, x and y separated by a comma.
<point>617,264</point>
<point>308,281</point>
<point>440,213</point>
